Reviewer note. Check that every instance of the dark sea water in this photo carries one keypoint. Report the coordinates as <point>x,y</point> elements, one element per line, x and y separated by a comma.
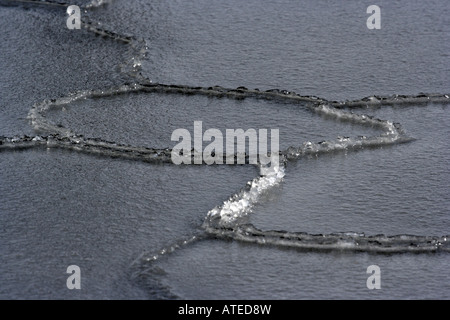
<point>86,118</point>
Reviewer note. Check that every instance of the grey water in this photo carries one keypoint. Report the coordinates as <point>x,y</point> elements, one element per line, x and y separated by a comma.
<point>108,216</point>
